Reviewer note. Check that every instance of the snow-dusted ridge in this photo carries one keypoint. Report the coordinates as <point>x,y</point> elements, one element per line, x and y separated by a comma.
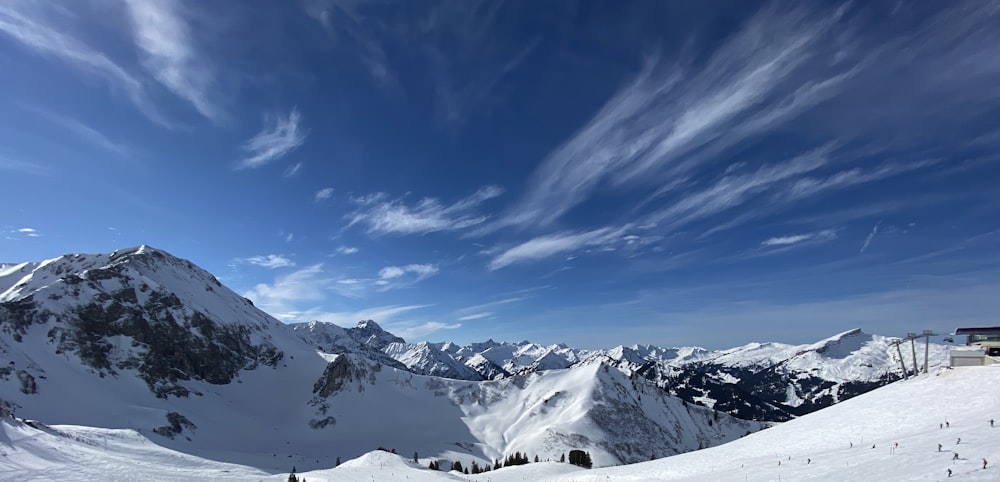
<point>143,341</point>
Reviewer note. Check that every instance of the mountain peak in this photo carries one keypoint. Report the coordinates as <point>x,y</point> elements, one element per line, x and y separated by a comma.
<point>370,333</point>
<point>369,325</point>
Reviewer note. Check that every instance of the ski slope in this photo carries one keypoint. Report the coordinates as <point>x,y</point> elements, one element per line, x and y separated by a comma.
<point>838,440</point>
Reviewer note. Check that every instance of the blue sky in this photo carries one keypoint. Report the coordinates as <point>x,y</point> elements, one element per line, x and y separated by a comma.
<point>585,172</point>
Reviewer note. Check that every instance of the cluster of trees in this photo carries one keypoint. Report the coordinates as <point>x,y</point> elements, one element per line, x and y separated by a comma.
<point>580,459</point>
<point>294,478</point>
<point>516,459</point>
<point>473,468</point>
<point>576,457</point>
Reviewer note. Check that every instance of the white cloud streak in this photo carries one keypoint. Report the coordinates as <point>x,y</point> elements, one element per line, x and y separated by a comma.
<point>23,167</point>
<point>268,261</point>
<point>545,246</point>
<point>34,29</point>
<point>476,316</point>
<point>293,169</point>
<point>652,129</point>
<point>274,141</point>
<point>410,332</point>
<point>868,240</point>
<point>323,194</point>
<point>384,216</point>
<point>391,273</point>
<point>735,189</point>
<point>162,35</point>
<point>381,314</point>
<point>346,250</point>
<point>83,132</point>
<point>308,284</point>
<point>824,235</point>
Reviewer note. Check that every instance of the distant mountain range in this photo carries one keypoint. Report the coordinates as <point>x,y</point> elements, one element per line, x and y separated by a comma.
<point>141,339</point>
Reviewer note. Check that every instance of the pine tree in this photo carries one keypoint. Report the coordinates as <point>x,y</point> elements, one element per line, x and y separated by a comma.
<point>338,462</point>
<point>536,458</point>
<point>456,466</point>
<point>580,458</point>
<point>415,457</point>
<point>292,477</point>
<point>496,464</point>
<point>562,458</point>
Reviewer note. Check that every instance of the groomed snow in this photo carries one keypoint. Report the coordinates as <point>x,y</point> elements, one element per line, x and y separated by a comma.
<point>833,444</point>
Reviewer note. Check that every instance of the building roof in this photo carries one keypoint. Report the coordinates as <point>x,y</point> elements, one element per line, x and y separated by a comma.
<point>981,330</point>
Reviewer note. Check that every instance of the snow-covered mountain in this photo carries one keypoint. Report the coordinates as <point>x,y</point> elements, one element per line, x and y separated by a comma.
<point>757,381</point>
<point>143,341</point>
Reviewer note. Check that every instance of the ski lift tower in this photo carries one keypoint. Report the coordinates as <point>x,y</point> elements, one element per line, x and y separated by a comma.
<point>927,334</point>
<point>902,362</point>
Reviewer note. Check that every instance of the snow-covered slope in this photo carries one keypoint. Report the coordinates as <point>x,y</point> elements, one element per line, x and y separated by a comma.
<point>140,340</point>
<point>853,440</point>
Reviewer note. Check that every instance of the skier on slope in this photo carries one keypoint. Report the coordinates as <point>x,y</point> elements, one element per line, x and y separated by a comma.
<point>984,463</point>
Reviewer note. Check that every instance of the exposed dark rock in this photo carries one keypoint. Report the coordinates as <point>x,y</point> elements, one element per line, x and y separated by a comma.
<point>177,423</point>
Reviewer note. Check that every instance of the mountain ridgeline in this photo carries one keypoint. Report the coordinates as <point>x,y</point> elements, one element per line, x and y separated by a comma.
<point>143,340</point>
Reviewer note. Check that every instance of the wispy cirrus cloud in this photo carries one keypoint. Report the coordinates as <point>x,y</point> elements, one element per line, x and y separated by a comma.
<point>346,250</point>
<point>20,233</point>
<point>735,189</point>
<point>654,126</point>
<point>410,331</point>
<point>309,284</point>
<point>44,31</point>
<point>788,240</point>
<point>162,35</point>
<point>323,194</point>
<point>384,216</point>
<point>280,136</point>
<point>292,170</point>
<point>399,276</point>
<point>318,286</point>
<point>685,114</point>
<point>23,167</point>
<point>869,238</point>
<point>84,132</point>
<point>268,261</point>
<point>380,314</point>
<point>460,47</point>
<point>811,186</point>
<point>546,246</point>
<point>476,316</point>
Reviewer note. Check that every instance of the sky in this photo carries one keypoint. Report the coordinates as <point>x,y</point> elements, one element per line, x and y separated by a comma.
<point>588,172</point>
